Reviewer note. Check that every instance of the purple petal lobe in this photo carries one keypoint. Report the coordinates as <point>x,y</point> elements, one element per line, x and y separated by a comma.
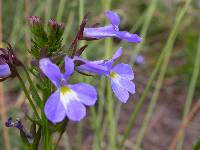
<point>129,37</point>
<point>117,54</point>
<point>124,83</point>
<point>75,110</point>
<point>51,71</point>
<point>4,70</point>
<point>113,18</point>
<point>54,109</point>
<point>69,67</point>
<point>85,93</point>
<point>119,92</point>
<point>124,70</point>
<point>99,33</point>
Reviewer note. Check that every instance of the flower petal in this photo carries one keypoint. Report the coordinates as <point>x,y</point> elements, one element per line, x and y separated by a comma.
<point>124,70</point>
<point>75,110</point>
<point>117,54</point>
<point>54,109</point>
<point>124,83</point>
<point>129,37</point>
<point>113,18</point>
<point>51,71</point>
<point>99,33</point>
<point>4,70</point>
<point>92,66</point>
<point>85,93</point>
<point>120,92</point>
<point>69,67</point>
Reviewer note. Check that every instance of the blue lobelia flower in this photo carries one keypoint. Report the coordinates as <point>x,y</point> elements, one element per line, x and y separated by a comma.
<point>120,75</point>
<point>4,70</point>
<point>68,100</point>
<point>139,60</point>
<point>111,30</point>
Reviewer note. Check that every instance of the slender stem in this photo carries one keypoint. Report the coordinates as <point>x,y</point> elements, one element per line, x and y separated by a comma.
<point>32,85</point>
<point>110,103</point>
<point>48,10</point>
<point>60,10</point>
<point>145,27</point>
<point>141,101</point>
<point>61,133</point>
<point>27,95</point>
<point>168,47</point>
<point>80,125</point>
<point>191,90</point>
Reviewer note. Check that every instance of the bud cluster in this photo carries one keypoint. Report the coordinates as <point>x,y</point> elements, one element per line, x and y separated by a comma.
<point>49,39</point>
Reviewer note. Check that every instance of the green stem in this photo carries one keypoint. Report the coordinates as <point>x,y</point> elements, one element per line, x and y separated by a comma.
<point>147,21</point>
<point>80,125</point>
<point>141,101</point>
<point>32,86</point>
<point>191,90</point>
<point>48,10</point>
<point>60,10</point>
<point>109,99</point>
<point>27,95</point>
<point>168,48</point>
<point>110,104</point>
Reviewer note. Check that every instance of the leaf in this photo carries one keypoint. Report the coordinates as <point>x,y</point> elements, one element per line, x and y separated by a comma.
<point>196,146</point>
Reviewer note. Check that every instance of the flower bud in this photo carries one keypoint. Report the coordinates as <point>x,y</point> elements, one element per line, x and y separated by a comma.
<point>54,33</point>
<point>34,20</point>
<point>4,70</point>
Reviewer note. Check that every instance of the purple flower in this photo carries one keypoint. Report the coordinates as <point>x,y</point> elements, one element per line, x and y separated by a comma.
<point>8,122</point>
<point>68,100</point>
<point>17,123</point>
<point>4,70</point>
<point>120,75</point>
<point>139,60</point>
<point>111,30</point>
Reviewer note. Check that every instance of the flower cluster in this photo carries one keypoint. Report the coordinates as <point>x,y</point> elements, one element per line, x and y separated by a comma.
<point>69,100</point>
<point>52,92</point>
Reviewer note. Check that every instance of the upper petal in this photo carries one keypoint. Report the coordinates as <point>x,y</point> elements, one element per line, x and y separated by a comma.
<point>124,70</point>
<point>117,54</point>
<point>129,37</point>
<point>54,109</point>
<point>4,70</point>
<point>98,33</point>
<point>85,93</point>
<point>69,67</point>
<point>51,71</point>
<point>75,110</point>
<point>113,18</point>
<point>119,92</point>
<point>92,66</point>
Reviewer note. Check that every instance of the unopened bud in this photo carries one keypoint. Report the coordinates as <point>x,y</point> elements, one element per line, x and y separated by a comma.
<point>34,20</point>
